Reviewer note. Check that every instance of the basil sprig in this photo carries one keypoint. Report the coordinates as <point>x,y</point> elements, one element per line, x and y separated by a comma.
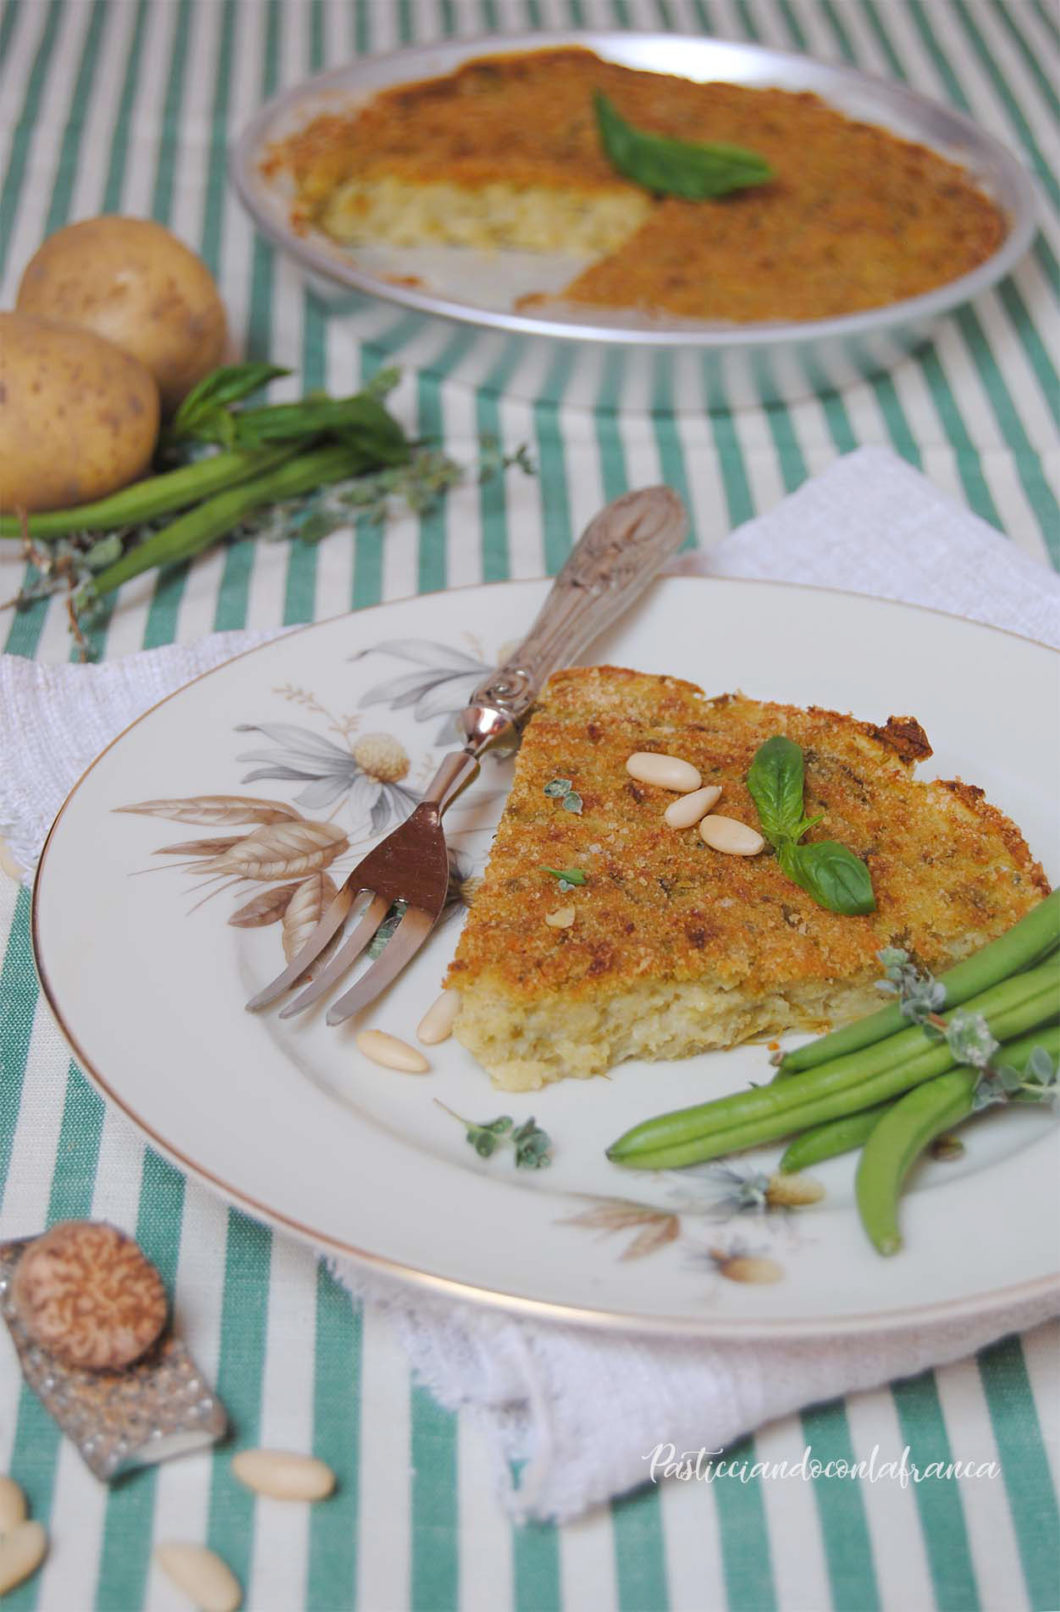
<point>828,871</point>
<point>684,168</point>
<point>360,423</point>
<point>204,413</point>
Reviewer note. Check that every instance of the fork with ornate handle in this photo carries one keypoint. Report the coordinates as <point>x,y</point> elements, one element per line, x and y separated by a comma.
<point>611,564</point>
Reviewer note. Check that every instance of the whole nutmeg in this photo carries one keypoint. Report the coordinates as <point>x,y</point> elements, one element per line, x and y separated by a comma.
<point>87,1293</point>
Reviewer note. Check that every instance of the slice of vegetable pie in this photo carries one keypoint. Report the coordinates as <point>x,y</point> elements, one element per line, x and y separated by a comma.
<point>600,933</point>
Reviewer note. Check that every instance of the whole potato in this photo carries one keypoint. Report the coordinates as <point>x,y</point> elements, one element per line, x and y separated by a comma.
<point>130,280</point>
<point>78,417</point>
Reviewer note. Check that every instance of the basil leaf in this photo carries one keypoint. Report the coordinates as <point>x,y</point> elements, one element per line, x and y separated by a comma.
<point>775,780</point>
<point>831,873</point>
<point>218,390</point>
<point>682,168</point>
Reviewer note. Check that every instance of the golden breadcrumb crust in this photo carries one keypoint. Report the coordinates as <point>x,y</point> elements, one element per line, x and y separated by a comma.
<point>660,908</point>
<point>854,218</point>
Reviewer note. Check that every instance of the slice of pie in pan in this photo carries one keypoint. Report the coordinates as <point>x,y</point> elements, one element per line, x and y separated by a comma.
<point>660,946</point>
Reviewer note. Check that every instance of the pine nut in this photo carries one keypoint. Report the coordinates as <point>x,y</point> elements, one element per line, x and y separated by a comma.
<point>206,1580</point>
<point>392,1053</point>
<point>687,811</point>
<point>668,772</point>
<point>21,1553</point>
<point>283,1475</point>
<point>562,918</point>
<point>12,1505</point>
<point>726,834</point>
<point>437,1023</point>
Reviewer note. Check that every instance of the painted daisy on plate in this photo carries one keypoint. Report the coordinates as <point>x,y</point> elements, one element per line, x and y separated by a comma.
<point>370,773</point>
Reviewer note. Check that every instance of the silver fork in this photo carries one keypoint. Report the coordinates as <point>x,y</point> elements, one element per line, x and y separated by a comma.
<point>617,555</point>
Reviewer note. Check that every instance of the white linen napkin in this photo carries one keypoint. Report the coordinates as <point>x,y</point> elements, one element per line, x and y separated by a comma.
<point>872,524</point>
<point>584,1410</point>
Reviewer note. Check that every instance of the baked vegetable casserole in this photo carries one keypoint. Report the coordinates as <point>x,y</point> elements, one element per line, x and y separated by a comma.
<point>507,153</point>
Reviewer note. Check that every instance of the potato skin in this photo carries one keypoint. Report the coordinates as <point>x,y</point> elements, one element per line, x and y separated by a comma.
<point>78,417</point>
<point>134,283</point>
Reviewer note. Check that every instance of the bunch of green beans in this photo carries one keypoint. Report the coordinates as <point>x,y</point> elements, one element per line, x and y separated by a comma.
<point>290,476</point>
<point>844,1086</point>
<point>156,495</point>
<point>881,1084</point>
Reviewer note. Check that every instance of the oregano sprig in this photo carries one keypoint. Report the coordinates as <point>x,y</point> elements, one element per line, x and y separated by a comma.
<point>968,1037</point>
<point>563,790</point>
<point>1039,1082</point>
<point>919,993</point>
<point>532,1145</point>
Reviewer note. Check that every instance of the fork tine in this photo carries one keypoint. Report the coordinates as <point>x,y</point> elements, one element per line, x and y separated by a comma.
<point>403,944</point>
<point>344,958</point>
<point>333,918</point>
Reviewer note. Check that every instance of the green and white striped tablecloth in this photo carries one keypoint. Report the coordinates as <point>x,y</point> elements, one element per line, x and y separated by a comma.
<point>128,106</point>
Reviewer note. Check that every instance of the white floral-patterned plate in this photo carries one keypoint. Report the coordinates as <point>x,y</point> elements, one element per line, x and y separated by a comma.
<point>206,838</point>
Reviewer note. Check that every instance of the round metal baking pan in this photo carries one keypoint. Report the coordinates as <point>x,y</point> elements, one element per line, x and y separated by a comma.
<point>657,363</point>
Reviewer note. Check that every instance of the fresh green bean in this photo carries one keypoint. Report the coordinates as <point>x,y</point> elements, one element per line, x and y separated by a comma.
<point>827,1141</point>
<point>157,495</point>
<point>201,526</point>
<point>907,1128</point>
<point>845,1086</point>
<point>1037,933</point>
<point>898,1140</point>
